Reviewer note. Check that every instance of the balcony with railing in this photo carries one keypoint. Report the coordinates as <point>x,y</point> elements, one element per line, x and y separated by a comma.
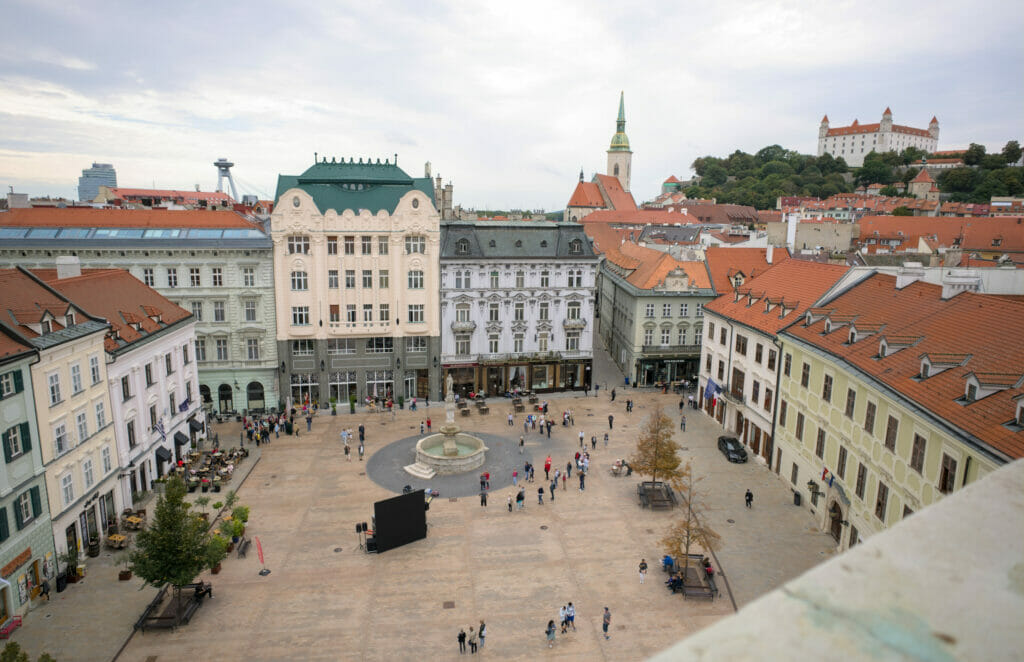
<point>570,324</point>
<point>671,350</point>
<point>463,326</point>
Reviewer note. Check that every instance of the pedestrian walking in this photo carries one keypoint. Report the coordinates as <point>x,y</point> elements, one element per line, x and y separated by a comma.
<point>362,432</point>
<point>613,395</point>
<point>682,403</point>
<point>309,422</point>
<point>547,468</point>
<point>522,442</point>
<point>552,488</point>
<point>563,618</point>
<point>462,641</point>
<point>568,467</point>
<point>550,632</point>
<point>472,640</point>
<point>526,425</point>
<point>570,616</point>
<point>348,452</point>
<point>515,478</point>
<point>361,451</point>
<point>483,499</point>
<point>510,420</point>
<point>428,425</point>
<point>593,442</point>
<point>605,622</point>
<point>582,478</point>
<point>610,419</point>
<point>606,440</point>
<point>277,430</point>
<point>510,503</point>
<point>520,498</point>
<point>643,570</point>
<point>693,405</point>
<point>749,498</point>
<point>565,479</point>
<point>540,496</point>
<point>482,633</point>
<point>549,428</point>
<point>682,423</point>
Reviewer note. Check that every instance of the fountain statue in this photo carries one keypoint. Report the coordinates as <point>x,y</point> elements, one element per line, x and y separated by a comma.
<point>451,451</point>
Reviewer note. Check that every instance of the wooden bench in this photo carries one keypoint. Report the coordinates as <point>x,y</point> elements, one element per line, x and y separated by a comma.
<point>698,592</point>
<point>243,547</point>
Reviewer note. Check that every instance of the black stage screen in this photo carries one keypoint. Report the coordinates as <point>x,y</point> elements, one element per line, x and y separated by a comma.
<point>400,520</point>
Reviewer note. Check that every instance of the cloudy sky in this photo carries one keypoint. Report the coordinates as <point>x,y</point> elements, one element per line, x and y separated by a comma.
<point>507,100</point>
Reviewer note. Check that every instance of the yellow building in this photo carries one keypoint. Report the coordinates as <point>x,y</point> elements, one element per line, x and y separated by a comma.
<point>890,398</point>
<point>72,402</point>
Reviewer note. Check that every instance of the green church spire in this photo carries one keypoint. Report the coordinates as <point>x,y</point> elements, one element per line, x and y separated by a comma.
<point>620,143</point>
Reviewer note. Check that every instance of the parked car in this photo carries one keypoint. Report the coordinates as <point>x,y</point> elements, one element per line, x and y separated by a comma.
<point>732,449</point>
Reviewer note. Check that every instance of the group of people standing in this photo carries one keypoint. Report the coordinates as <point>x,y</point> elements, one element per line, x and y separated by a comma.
<point>346,439</point>
<point>475,638</point>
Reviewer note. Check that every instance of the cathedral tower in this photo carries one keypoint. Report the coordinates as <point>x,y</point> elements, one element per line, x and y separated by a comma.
<point>619,155</point>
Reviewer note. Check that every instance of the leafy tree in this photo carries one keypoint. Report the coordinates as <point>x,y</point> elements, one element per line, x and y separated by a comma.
<point>656,452</point>
<point>889,191</point>
<point>902,211</point>
<point>770,153</point>
<point>911,154</point>
<point>177,546</point>
<point>876,169</point>
<point>959,180</point>
<point>974,154</point>
<point>12,652</point>
<point>1012,152</point>
<point>715,175</point>
<point>993,161</point>
<point>691,528</point>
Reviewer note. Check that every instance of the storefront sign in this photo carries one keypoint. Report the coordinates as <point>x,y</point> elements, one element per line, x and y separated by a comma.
<point>18,561</point>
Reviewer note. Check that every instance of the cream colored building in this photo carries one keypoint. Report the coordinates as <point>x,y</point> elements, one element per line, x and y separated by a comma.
<point>69,385</point>
<point>357,282</point>
<point>891,397</point>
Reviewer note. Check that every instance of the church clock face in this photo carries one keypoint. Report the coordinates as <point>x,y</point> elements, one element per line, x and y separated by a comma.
<point>295,201</point>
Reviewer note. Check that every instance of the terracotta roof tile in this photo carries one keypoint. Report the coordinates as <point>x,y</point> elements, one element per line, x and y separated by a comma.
<point>586,195</point>
<point>922,177</point>
<point>986,327</point>
<point>639,217</point>
<point>725,262</point>
<point>620,199</point>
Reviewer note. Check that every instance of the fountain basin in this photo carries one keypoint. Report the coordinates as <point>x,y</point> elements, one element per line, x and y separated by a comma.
<point>430,451</point>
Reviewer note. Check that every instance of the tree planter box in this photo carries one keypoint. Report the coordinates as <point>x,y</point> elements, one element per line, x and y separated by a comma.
<point>124,575</point>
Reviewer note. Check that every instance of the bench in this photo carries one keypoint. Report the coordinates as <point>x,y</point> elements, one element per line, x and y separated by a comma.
<point>243,547</point>
<point>699,592</point>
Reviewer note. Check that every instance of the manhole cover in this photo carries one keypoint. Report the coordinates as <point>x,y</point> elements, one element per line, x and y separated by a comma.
<point>337,549</point>
<point>453,499</point>
<point>543,527</point>
<point>273,475</point>
<point>684,448</point>
<point>362,473</point>
<point>448,604</point>
<point>731,521</point>
<point>266,484</point>
<point>650,530</point>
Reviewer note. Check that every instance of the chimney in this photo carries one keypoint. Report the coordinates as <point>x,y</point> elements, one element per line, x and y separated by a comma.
<point>768,254</point>
<point>68,266</point>
<point>791,222</point>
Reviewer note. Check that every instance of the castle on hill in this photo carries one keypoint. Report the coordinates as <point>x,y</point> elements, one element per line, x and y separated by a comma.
<point>856,141</point>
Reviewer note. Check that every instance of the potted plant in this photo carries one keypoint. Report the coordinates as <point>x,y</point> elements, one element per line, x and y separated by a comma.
<point>218,505</point>
<point>216,550</point>
<point>125,573</point>
<point>401,402</point>
<point>205,484</point>
<point>240,513</point>
<point>334,406</point>
<point>70,561</point>
<point>230,499</point>
<point>202,502</point>
<point>232,527</point>
<point>352,403</point>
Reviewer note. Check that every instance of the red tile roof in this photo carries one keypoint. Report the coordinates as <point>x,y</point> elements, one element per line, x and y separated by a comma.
<point>654,266</point>
<point>671,180</point>
<point>922,177</point>
<point>120,298</point>
<point>856,128</point>
<point>620,199</point>
<point>725,262</point>
<point>798,283</point>
<point>985,327</point>
<point>24,302</point>
<point>639,217</point>
<point>190,197</point>
<point>11,347</point>
<point>1000,234</point>
<point>587,194</point>
<point>122,218</point>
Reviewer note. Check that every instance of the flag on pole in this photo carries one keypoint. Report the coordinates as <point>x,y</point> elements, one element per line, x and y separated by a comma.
<point>259,548</point>
<point>160,428</point>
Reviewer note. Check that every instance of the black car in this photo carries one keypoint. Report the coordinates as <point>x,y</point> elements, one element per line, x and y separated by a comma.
<point>732,449</point>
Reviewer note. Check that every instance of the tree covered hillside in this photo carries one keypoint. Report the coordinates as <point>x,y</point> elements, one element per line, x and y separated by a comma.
<point>759,179</point>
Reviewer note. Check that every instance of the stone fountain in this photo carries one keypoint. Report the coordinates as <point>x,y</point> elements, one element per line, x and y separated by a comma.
<point>450,451</point>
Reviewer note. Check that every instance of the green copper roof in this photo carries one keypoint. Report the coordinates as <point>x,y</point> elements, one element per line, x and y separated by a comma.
<point>354,185</point>
<point>620,143</point>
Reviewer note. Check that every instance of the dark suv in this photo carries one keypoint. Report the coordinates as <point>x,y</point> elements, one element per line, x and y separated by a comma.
<point>732,449</point>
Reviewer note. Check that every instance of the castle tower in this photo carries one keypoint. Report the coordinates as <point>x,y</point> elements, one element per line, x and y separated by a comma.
<point>620,157</point>
<point>823,128</point>
<point>886,124</point>
<point>933,129</point>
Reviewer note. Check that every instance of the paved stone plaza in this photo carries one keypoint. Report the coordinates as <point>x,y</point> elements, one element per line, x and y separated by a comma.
<point>326,599</point>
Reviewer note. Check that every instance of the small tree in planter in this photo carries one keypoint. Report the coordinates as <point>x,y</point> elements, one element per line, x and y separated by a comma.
<point>216,550</point>
<point>401,402</point>
<point>334,406</point>
<point>202,503</point>
<point>70,561</point>
<point>351,403</point>
<point>125,573</point>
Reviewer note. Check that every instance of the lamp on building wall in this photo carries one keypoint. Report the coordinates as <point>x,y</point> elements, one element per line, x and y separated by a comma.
<point>237,387</point>
<point>282,367</point>
<point>323,366</point>
<point>435,361</point>
<point>398,363</point>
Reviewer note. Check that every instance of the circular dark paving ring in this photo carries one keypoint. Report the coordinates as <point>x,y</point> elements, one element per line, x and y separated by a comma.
<point>386,466</point>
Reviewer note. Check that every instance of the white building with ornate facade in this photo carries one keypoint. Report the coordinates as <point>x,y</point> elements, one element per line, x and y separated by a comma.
<point>852,143</point>
<point>356,250</point>
<point>517,306</point>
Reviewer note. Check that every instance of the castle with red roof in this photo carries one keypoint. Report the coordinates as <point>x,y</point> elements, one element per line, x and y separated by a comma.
<point>856,141</point>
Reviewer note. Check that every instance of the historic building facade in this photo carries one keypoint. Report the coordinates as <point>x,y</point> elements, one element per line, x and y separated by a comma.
<point>609,191</point>
<point>854,142</point>
<point>517,306</point>
<point>356,249</point>
<point>740,366</point>
<point>894,393</point>
<point>151,370</point>
<point>27,556</point>
<point>216,265</point>
<point>72,406</point>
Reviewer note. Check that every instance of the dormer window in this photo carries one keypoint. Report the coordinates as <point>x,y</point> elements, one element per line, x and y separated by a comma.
<point>972,393</point>
<point>575,247</point>
<point>853,336</point>
<point>925,368</point>
<point>491,244</point>
<point>69,319</point>
<point>462,247</point>
<point>47,327</point>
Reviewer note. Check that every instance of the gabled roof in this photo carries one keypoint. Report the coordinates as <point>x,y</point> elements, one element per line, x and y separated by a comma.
<point>654,265</point>
<point>922,177</point>
<point>122,218</point>
<point>1004,233</point>
<point>119,297</point>
<point>983,326</point>
<point>638,217</point>
<point>587,194</point>
<point>671,180</point>
<point>725,262</point>
<point>25,303</point>
<point>616,196</point>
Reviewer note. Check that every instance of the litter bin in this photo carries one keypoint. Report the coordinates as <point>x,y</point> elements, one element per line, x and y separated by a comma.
<point>288,427</point>
<point>796,498</point>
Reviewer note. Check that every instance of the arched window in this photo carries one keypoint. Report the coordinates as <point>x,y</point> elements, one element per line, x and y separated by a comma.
<point>462,247</point>
<point>616,170</point>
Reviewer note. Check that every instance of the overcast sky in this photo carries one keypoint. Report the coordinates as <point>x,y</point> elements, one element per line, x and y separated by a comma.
<point>507,100</point>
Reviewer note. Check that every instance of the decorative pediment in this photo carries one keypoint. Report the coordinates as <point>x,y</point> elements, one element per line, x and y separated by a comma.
<point>463,298</point>
<point>519,297</point>
<point>494,297</point>
<point>520,327</point>
<point>575,296</point>
<point>494,327</point>
<point>544,325</point>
